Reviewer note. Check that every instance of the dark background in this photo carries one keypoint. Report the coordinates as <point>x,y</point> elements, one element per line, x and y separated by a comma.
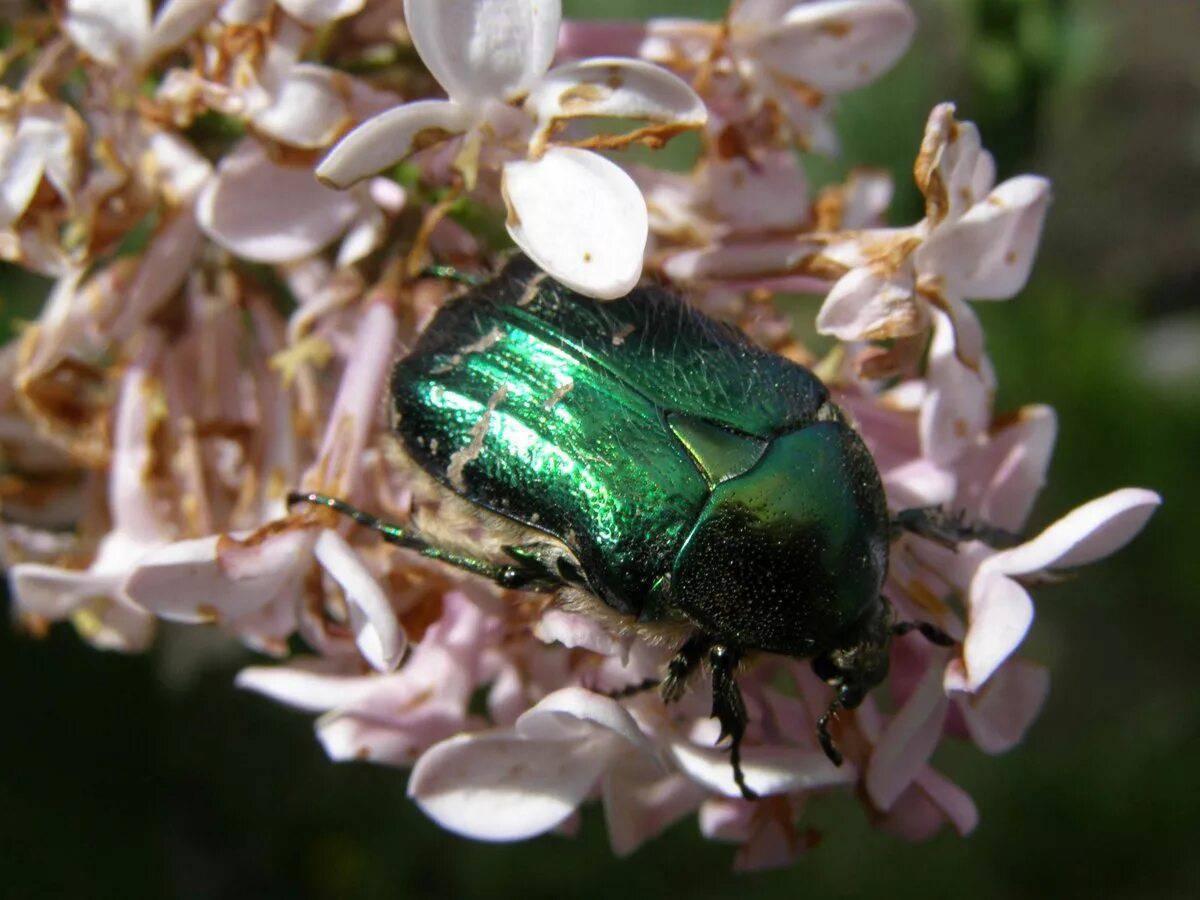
<point>152,776</point>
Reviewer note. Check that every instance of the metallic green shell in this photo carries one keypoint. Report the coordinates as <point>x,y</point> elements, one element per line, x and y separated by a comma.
<point>603,424</point>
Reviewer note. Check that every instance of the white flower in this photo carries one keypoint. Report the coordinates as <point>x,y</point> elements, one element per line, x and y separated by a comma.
<point>789,56</point>
<point>95,598</point>
<point>310,12</point>
<point>251,584</point>
<point>999,608</point>
<point>268,212</point>
<point>575,213</point>
<point>976,241</point>
<point>121,34</point>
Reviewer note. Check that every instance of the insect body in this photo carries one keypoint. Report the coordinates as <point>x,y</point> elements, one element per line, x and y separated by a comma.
<point>655,467</point>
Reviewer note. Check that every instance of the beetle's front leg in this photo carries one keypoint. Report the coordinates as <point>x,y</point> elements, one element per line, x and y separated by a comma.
<point>682,665</point>
<point>517,577</point>
<point>730,710</point>
<point>949,528</point>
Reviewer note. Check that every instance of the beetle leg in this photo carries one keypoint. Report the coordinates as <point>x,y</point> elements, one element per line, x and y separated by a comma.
<point>515,577</point>
<point>682,665</point>
<point>458,276</point>
<point>824,738</point>
<point>950,528</point>
<point>633,690</point>
<point>928,630</point>
<point>730,710</point>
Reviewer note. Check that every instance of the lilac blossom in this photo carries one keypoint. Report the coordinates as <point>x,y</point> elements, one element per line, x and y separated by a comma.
<point>226,307</point>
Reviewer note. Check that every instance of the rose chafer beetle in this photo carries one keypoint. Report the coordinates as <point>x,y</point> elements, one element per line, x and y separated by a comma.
<point>654,467</point>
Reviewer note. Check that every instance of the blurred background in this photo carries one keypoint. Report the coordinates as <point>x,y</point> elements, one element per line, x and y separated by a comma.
<point>151,776</point>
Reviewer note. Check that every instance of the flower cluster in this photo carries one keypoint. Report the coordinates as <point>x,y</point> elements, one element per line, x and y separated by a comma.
<point>236,204</point>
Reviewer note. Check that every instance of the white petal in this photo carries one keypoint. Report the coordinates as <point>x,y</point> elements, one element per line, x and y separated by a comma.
<point>313,685</point>
<point>320,12</point>
<point>200,580</point>
<point>110,33</point>
<point>729,261</point>
<point>953,170</point>
<point>178,166</point>
<point>955,803</point>
<point>351,733</point>
<point>574,713</point>
<point>244,12</point>
<point>838,45</point>
<point>909,739</point>
<point>959,403</point>
<point>501,787</point>
<point>306,108</point>
<point>271,213</point>
<point>988,253</point>
<point>637,810</point>
<point>175,23</point>
<point>161,272</point>
<point>1000,480</point>
<point>767,193</point>
<point>376,628</point>
<point>869,304</point>
<point>1000,615</point>
<point>580,217</point>
<point>576,630</point>
<point>388,138</point>
<point>484,49</point>
<point>1091,532</point>
<point>102,614</point>
<point>363,238</point>
<point>768,770</point>
<point>42,145</point>
<point>54,593</point>
<point>999,714</point>
<point>616,87</point>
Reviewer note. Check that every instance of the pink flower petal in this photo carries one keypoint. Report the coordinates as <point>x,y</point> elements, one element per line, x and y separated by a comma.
<point>909,739</point>
<point>998,715</point>
<point>376,629</point>
<point>1000,615</point>
<point>499,786</point>
<point>270,213</point>
<point>575,713</point>
<point>638,809</point>
<point>867,304</point>
<point>768,769</point>
<point>314,684</point>
<point>575,630</point>
<point>767,193</point>
<point>837,45</point>
<point>1000,480</point>
<point>959,403</point>
<point>988,253</point>
<point>1091,532</point>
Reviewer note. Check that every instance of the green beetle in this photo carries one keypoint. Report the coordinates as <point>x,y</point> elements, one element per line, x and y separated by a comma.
<point>654,467</point>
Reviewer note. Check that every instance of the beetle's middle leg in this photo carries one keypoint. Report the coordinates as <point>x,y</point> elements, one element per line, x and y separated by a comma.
<point>950,528</point>
<point>518,577</point>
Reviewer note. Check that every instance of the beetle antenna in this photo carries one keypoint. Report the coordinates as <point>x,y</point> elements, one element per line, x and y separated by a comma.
<point>824,737</point>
